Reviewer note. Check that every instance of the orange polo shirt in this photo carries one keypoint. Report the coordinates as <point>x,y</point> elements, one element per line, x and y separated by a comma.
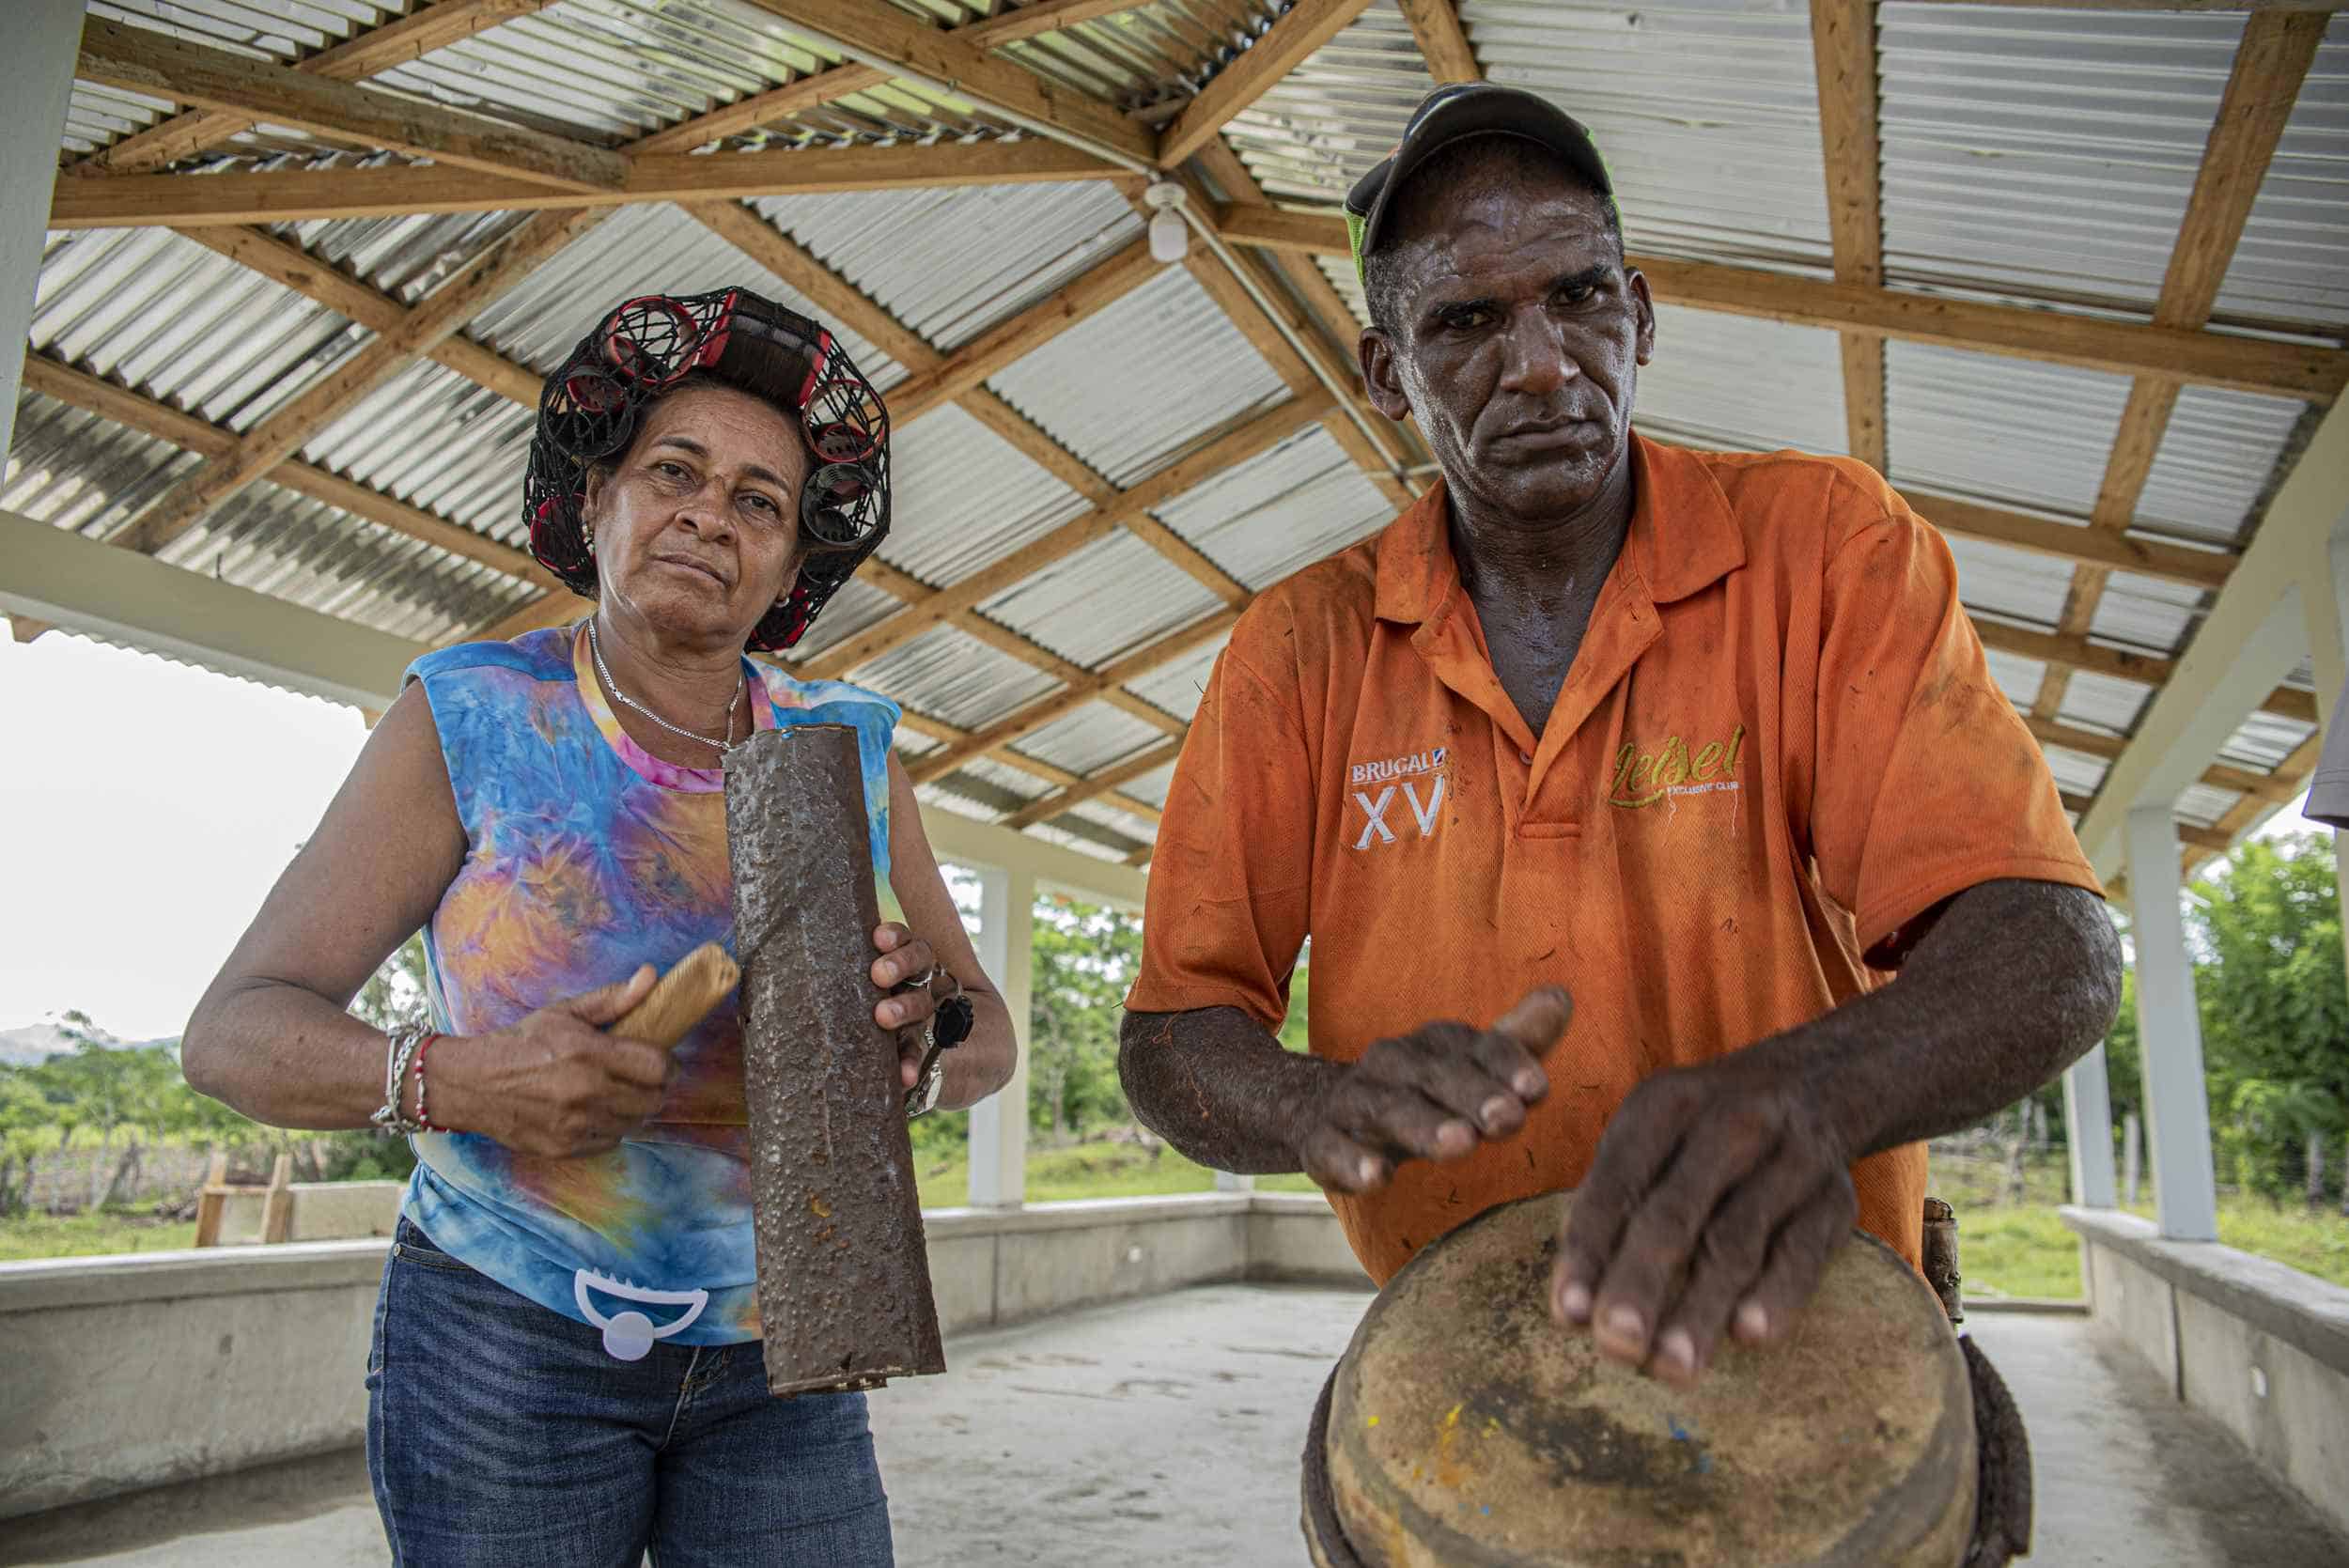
<point>1778,742</point>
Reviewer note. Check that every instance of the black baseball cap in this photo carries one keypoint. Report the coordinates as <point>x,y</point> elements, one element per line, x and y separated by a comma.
<point>1469,109</point>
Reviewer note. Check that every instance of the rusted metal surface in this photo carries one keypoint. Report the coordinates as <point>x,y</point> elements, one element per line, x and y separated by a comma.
<point>843,1279</point>
<point>1941,1257</point>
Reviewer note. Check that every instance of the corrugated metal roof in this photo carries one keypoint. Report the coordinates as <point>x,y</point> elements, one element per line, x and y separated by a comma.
<point>1276,514</point>
<point>955,679</point>
<point>435,440</point>
<point>1321,127</point>
<point>2004,582</point>
<point>964,498</point>
<point>1128,387</point>
<point>2101,702</point>
<point>2202,805</point>
<point>168,319</point>
<point>1707,115</point>
<point>950,263</point>
<point>2144,612</point>
<point>856,605</point>
<point>1741,384</point>
<point>1091,737</point>
<point>2009,431</point>
<point>77,471</point>
<point>1109,599</point>
<point>2043,152</point>
<point>2293,262</point>
<point>1177,687</point>
<point>2264,740</point>
<point>2216,459</point>
<point>2019,678</point>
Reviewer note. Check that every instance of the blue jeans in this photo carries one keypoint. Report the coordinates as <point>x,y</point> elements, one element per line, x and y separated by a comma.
<point>499,1432</point>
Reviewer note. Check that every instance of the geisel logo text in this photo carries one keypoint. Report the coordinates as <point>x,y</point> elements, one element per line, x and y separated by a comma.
<point>1673,768</point>
<point>1419,779</point>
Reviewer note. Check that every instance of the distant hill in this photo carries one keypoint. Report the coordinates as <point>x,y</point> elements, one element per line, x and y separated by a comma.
<point>35,1043</point>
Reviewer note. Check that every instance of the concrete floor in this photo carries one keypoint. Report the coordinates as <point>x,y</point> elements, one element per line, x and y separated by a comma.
<point>1165,1433</point>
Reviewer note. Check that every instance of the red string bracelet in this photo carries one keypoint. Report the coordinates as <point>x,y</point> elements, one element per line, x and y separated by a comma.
<point>423,1046</point>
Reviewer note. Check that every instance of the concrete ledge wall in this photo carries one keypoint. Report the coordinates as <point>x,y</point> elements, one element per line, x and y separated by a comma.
<point>2257,1344</point>
<point>134,1372</point>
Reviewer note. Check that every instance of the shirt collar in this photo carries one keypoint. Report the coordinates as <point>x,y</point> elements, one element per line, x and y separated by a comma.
<point>1683,538</point>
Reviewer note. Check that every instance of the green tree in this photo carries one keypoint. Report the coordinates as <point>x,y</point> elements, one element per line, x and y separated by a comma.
<point>1084,958</point>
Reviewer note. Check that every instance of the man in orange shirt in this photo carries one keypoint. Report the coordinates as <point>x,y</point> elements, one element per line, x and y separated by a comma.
<point>1704,739</point>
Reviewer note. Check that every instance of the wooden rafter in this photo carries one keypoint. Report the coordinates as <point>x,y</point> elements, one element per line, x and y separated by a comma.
<point>1844,41</point>
<point>2270,63</point>
<point>184,431</point>
<point>1442,43</point>
<point>1046,710</point>
<point>473,286</point>
<point>394,44</point>
<point>145,201</point>
<point>140,59</point>
<point>2292,772</point>
<point>1251,437</point>
<point>2080,654</point>
<point>880,34</point>
<point>26,629</point>
<point>2106,748</point>
<point>2067,541</point>
<point>1095,785</point>
<point>1007,342</point>
<point>1301,29</point>
<point>1015,24</point>
<point>2167,353</point>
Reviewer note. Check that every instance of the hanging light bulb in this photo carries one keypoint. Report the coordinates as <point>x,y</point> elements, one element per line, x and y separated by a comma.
<point>1170,237</point>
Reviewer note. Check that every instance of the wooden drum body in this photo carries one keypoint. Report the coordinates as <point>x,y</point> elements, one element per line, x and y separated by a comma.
<point>1464,1428</point>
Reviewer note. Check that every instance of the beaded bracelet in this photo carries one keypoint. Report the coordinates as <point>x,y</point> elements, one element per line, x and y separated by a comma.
<point>399,1051</point>
<point>424,1117</point>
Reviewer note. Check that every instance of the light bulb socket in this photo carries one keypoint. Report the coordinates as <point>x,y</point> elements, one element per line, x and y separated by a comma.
<point>1170,237</point>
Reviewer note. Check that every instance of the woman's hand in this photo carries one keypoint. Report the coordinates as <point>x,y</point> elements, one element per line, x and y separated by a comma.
<point>554,1085</point>
<point>906,956</point>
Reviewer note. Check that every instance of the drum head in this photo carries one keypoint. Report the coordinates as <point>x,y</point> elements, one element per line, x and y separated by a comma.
<point>1466,1429</point>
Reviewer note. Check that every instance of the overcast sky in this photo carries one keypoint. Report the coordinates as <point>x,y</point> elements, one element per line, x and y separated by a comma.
<point>145,809</point>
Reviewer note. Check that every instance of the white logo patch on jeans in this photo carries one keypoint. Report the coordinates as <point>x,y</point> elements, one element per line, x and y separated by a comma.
<point>629,1335</point>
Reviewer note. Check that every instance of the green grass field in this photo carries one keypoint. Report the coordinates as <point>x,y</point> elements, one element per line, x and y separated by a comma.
<point>2017,1251</point>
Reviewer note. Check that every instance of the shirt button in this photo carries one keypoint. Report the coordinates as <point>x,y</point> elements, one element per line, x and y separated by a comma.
<point>1525,758</point>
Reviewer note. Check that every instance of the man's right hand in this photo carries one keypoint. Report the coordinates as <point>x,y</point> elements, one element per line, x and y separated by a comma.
<point>1434,1094</point>
<point>554,1085</point>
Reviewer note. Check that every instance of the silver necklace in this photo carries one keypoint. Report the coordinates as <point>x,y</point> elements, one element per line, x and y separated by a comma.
<point>723,746</point>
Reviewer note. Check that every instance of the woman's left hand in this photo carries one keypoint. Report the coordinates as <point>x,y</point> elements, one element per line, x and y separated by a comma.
<point>906,956</point>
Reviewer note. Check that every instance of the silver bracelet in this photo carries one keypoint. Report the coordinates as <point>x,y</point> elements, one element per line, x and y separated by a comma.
<point>400,1052</point>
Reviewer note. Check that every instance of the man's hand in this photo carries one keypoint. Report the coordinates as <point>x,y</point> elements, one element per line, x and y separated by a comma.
<point>1717,1198</point>
<point>1433,1093</point>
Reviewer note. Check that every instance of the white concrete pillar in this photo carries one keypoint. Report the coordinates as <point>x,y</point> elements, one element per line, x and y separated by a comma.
<point>44,39</point>
<point>2170,1034</point>
<point>2327,607</point>
<point>2088,1128</point>
<point>999,1124</point>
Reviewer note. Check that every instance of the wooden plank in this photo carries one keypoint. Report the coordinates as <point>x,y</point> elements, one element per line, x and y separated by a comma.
<point>277,1203</point>
<point>1037,444</point>
<point>315,279</point>
<point>140,201</point>
<point>1033,717</point>
<point>141,60</point>
<point>26,629</point>
<point>84,390</point>
<point>211,1199</point>
<point>2267,786</point>
<point>2167,353</point>
<point>1018,23</point>
<point>2292,772</point>
<point>1009,341</point>
<point>2195,568</point>
<point>1442,43</point>
<point>1301,29</point>
<point>1843,49</point>
<point>812,91</point>
<point>470,290</point>
<point>1248,439</point>
<point>2076,653</point>
<point>1096,784</point>
<point>554,608</point>
<point>2271,60</point>
<point>882,35</point>
<point>378,49</point>
<point>1188,556</point>
<point>2087,742</point>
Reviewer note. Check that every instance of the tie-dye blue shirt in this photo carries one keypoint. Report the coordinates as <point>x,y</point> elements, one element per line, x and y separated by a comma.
<point>587,856</point>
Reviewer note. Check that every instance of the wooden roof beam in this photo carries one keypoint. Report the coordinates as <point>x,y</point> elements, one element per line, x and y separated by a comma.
<point>2270,63</point>
<point>1280,49</point>
<point>2064,541</point>
<point>396,42</point>
<point>143,60</point>
<point>1442,43</point>
<point>1251,437</point>
<point>880,34</point>
<point>1033,717</point>
<point>1095,785</point>
<point>1844,44</point>
<point>2167,353</point>
<point>149,200</point>
<point>481,281</point>
<point>185,430</point>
